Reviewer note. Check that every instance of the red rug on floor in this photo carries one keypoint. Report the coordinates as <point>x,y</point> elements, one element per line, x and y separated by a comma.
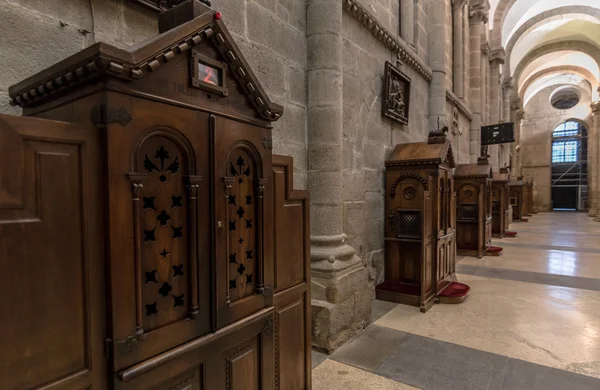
<point>510,234</point>
<point>494,251</point>
<point>455,293</point>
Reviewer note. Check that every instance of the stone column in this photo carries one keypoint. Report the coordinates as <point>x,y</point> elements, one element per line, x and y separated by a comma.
<point>458,48</point>
<point>478,14</point>
<point>496,59</point>
<point>466,49</point>
<point>407,21</point>
<point>341,298</point>
<point>519,115</point>
<point>594,162</point>
<point>438,63</point>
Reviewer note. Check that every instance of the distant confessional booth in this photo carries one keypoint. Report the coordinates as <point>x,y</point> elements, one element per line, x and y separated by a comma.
<point>528,198</point>
<point>420,223</point>
<point>474,208</point>
<point>149,237</point>
<point>500,203</point>
<point>517,199</point>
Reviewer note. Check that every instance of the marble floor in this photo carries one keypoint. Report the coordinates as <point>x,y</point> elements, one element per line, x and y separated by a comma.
<point>531,321</point>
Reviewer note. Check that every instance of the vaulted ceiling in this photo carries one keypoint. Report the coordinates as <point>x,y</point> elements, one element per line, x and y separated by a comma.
<point>548,43</point>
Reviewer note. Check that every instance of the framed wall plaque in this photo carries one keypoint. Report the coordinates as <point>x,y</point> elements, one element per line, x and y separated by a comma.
<point>396,94</point>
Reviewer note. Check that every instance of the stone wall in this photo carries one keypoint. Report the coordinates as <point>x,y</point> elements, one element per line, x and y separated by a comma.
<point>38,33</point>
<point>369,138</point>
<point>536,141</point>
<point>272,36</point>
<point>271,33</point>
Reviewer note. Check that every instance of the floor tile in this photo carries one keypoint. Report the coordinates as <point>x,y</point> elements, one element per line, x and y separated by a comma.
<point>332,375</point>
<point>380,308</point>
<point>553,326</point>
<point>529,277</point>
<point>370,348</point>
<point>318,358</point>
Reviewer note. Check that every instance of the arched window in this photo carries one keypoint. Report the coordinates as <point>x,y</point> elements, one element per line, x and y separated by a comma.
<point>566,143</point>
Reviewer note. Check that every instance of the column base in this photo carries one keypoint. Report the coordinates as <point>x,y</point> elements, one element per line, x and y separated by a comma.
<point>341,294</point>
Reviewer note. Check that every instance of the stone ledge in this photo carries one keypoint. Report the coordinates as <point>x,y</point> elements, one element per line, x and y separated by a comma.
<point>405,53</point>
<point>456,102</point>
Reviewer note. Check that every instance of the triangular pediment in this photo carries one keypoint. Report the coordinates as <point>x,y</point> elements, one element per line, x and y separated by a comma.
<point>206,35</point>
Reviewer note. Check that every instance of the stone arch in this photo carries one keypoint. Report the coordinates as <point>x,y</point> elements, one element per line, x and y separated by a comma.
<point>571,45</point>
<point>589,76</point>
<point>543,18</point>
<point>501,10</point>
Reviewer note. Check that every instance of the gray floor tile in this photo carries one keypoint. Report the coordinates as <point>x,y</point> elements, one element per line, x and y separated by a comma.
<point>526,376</point>
<point>318,358</point>
<point>370,348</point>
<point>549,247</point>
<point>530,277</point>
<point>431,364</point>
<point>381,308</point>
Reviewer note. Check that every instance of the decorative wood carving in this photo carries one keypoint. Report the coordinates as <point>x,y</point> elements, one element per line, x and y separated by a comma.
<point>396,98</point>
<point>145,242</point>
<point>420,224</point>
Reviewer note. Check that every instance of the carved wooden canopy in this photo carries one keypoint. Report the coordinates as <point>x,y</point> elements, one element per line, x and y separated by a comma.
<point>422,153</point>
<point>136,62</point>
<point>465,171</point>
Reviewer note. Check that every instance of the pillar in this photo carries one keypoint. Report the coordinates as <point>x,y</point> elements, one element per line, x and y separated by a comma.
<point>496,59</point>
<point>438,62</point>
<point>478,14</point>
<point>407,21</point>
<point>458,48</point>
<point>519,114</point>
<point>341,297</point>
<point>594,162</point>
<point>466,49</point>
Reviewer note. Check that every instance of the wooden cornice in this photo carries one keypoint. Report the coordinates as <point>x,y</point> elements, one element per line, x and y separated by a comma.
<point>136,62</point>
<point>387,39</point>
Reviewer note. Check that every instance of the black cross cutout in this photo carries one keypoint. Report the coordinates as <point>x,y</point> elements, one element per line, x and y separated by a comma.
<point>249,254</point>
<point>232,258</point>
<point>178,270</point>
<point>163,218</point>
<point>231,225</point>
<point>248,224</point>
<point>149,203</point>
<point>151,277</point>
<point>165,289</point>
<point>177,201</point>
<point>248,278</point>
<point>149,235</point>
<point>151,309</point>
<point>241,212</point>
<point>232,199</point>
<point>164,253</point>
<point>248,199</point>
<point>177,232</point>
<point>178,300</point>
<point>241,269</point>
<point>232,284</point>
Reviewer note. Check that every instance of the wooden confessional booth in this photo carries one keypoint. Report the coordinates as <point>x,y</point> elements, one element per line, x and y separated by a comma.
<point>420,248</point>
<point>500,203</point>
<point>473,208</point>
<point>147,231</point>
<point>528,198</point>
<point>517,200</point>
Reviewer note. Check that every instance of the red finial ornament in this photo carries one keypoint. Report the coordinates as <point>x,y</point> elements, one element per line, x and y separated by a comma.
<point>218,15</point>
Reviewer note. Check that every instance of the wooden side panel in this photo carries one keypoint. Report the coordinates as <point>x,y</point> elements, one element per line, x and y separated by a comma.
<point>292,337</point>
<point>51,256</point>
<point>242,367</point>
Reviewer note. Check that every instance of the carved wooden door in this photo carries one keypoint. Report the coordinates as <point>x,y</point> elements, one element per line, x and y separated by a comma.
<point>243,213</point>
<point>159,216</point>
<point>51,256</point>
